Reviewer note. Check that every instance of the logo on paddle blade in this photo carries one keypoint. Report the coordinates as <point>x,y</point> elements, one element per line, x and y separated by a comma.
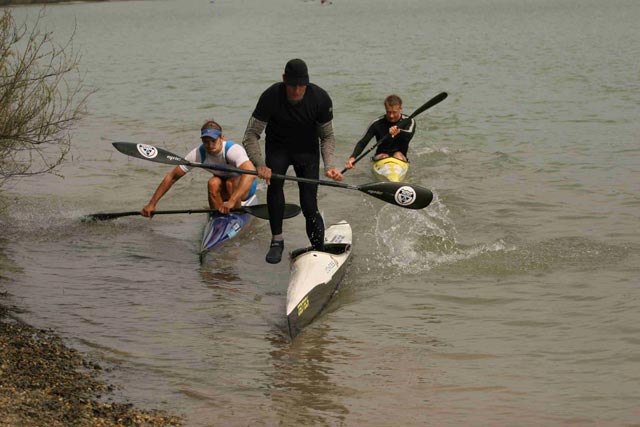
<point>148,151</point>
<point>405,196</point>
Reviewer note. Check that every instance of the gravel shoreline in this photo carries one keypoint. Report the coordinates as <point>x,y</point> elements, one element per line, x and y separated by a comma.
<point>43,383</point>
<point>43,2</point>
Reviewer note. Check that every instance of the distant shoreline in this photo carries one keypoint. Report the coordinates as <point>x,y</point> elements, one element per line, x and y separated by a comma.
<point>30,2</point>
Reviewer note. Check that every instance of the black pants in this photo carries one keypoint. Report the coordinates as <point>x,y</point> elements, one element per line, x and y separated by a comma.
<point>306,165</point>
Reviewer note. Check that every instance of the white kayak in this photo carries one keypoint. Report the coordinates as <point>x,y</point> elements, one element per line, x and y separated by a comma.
<point>315,276</point>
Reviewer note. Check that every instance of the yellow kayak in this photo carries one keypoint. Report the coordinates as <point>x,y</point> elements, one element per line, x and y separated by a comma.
<point>390,169</point>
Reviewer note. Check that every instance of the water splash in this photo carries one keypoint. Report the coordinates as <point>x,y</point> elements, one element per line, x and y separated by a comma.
<point>415,241</point>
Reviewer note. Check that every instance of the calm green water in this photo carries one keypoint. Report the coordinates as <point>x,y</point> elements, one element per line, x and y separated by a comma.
<point>512,300</point>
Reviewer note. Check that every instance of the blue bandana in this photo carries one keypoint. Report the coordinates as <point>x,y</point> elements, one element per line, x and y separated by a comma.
<point>211,133</point>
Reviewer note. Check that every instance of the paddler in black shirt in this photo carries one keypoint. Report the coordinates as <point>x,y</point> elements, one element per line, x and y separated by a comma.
<point>298,118</point>
<point>396,146</point>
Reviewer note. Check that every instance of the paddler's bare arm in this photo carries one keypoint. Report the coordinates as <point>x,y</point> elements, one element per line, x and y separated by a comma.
<point>349,164</point>
<point>327,149</point>
<point>241,191</point>
<point>164,186</point>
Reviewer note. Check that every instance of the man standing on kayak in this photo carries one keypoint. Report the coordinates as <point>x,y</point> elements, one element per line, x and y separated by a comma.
<point>226,190</point>
<point>396,146</point>
<point>297,119</point>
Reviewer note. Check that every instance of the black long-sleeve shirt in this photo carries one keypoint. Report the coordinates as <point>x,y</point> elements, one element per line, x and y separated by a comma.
<point>379,128</point>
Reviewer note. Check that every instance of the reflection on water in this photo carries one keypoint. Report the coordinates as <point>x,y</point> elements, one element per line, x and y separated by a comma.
<point>225,278</point>
<point>301,382</point>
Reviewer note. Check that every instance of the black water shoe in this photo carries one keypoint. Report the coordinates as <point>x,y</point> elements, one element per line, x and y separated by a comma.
<point>275,251</point>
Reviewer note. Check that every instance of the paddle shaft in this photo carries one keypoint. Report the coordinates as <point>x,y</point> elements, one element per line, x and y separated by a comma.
<point>259,211</point>
<point>400,194</point>
<point>430,103</point>
<point>164,156</point>
<point>112,215</point>
<point>273,175</point>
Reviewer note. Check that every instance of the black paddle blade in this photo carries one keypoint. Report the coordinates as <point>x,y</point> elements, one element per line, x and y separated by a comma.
<point>399,193</point>
<point>103,216</point>
<point>430,103</point>
<point>149,152</point>
<point>262,211</point>
<point>291,211</point>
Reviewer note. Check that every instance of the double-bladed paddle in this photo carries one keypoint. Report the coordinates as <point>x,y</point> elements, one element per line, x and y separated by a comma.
<point>397,193</point>
<point>259,211</point>
<point>430,103</point>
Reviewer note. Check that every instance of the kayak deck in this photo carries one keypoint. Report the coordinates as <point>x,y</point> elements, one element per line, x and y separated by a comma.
<point>222,228</point>
<point>315,276</point>
<point>390,169</point>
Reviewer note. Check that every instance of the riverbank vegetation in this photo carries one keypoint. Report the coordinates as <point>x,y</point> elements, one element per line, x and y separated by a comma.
<point>44,383</point>
<point>42,96</point>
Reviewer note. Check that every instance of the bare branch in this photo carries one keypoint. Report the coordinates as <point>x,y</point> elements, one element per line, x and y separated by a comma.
<point>41,98</point>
